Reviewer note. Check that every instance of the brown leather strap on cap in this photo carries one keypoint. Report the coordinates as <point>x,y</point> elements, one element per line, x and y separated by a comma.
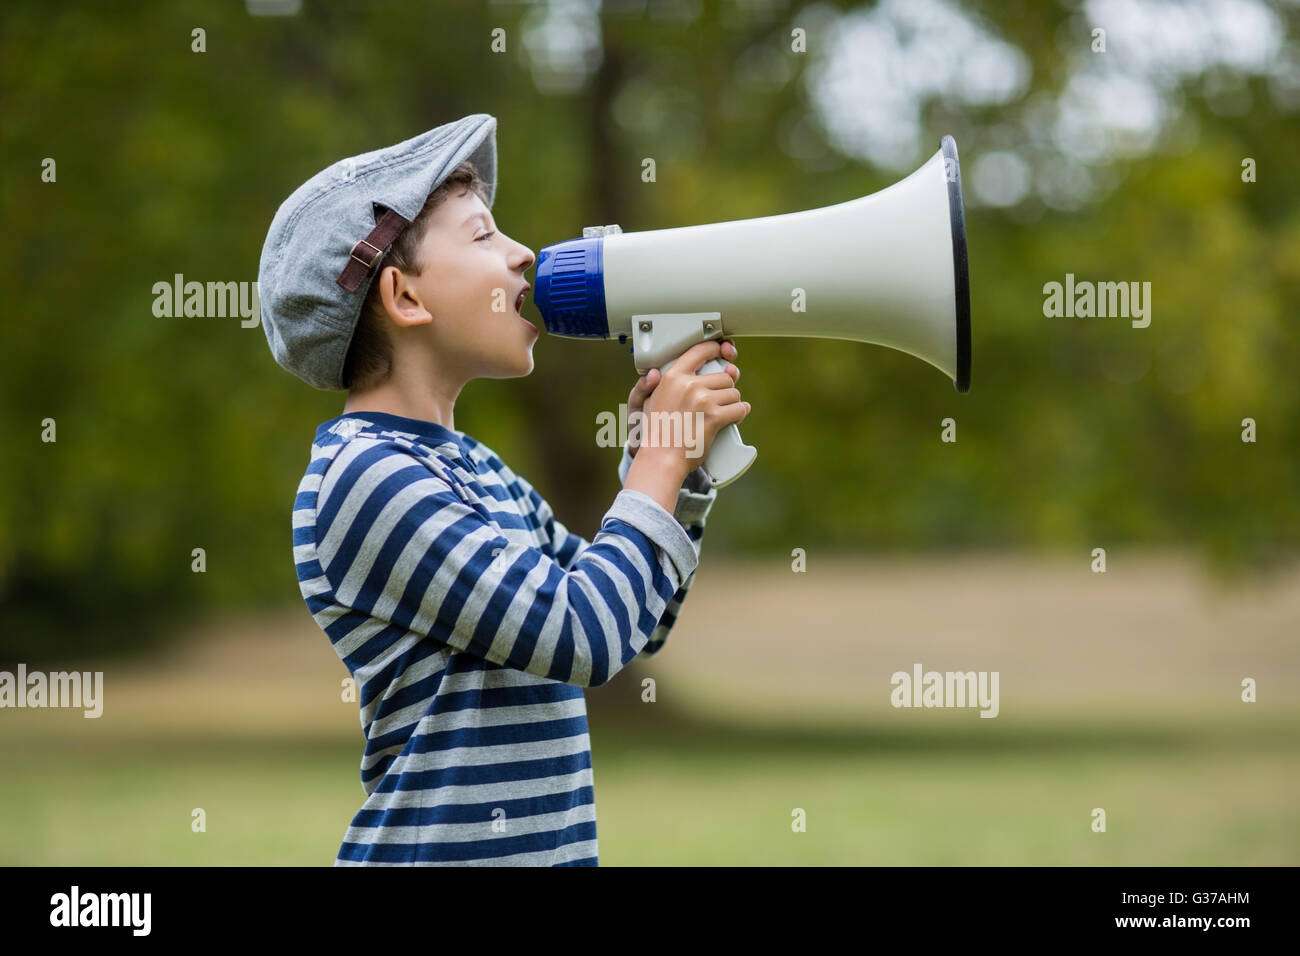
<point>366,253</point>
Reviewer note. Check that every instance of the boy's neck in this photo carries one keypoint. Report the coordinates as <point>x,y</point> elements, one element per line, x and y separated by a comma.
<point>425,403</point>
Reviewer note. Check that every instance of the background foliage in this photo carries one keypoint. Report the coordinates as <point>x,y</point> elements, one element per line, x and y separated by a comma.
<point>179,433</point>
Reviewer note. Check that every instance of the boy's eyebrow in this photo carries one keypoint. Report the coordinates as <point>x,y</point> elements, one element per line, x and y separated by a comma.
<point>477,215</point>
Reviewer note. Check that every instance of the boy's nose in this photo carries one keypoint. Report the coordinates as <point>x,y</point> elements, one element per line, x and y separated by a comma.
<point>529,257</point>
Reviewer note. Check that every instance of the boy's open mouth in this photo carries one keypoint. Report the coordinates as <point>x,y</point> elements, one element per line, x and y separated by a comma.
<point>519,299</point>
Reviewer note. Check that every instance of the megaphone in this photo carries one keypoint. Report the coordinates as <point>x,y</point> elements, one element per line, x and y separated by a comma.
<point>888,268</point>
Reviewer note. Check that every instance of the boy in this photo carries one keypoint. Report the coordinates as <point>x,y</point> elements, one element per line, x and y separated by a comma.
<point>469,616</point>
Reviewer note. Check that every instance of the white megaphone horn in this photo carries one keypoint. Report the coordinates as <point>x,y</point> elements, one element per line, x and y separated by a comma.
<point>888,269</point>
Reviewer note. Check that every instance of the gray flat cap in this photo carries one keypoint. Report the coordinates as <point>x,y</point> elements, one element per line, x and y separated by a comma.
<point>320,253</point>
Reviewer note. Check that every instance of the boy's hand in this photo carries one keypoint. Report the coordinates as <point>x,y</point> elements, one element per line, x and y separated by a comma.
<point>647,382</point>
<point>710,401</point>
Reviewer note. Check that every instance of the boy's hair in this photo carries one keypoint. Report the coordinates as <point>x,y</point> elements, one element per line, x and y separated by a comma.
<point>369,360</point>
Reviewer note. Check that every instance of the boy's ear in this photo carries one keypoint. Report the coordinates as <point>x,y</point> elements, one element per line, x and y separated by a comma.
<point>401,298</point>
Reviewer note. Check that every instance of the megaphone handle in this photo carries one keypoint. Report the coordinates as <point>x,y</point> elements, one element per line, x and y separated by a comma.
<point>728,457</point>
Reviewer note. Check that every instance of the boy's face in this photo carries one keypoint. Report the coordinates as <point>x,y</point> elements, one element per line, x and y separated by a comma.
<point>470,280</point>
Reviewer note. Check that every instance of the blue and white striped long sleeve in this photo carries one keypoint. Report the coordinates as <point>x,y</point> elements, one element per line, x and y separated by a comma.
<point>694,500</point>
<point>406,543</point>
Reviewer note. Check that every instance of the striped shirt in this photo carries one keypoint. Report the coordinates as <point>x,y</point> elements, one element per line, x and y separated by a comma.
<point>471,619</point>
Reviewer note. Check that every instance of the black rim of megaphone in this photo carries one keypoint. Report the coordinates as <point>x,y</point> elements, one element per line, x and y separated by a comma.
<point>961,274</point>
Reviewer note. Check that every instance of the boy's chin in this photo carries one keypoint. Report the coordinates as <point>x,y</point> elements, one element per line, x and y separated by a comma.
<point>517,369</point>
<point>526,361</point>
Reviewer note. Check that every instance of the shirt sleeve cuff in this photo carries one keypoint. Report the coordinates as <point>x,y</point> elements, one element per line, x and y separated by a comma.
<point>664,530</point>
<point>695,498</point>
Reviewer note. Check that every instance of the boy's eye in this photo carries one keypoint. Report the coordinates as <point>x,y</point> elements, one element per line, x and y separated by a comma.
<point>485,236</point>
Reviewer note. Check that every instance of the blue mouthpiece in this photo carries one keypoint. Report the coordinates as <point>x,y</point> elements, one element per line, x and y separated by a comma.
<point>570,288</point>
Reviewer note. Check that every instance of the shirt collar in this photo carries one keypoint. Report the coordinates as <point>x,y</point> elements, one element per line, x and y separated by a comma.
<point>430,432</point>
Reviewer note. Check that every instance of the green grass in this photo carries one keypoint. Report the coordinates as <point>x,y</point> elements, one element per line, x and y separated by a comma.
<point>955,794</point>
<point>698,792</point>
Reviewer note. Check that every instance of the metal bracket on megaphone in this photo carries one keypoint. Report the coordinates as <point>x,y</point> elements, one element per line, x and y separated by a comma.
<point>659,340</point>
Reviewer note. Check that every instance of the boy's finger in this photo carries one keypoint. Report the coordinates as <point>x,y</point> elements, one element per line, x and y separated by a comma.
<point>646,384</point>
<point>716,380</point>
<point>695,356</point>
